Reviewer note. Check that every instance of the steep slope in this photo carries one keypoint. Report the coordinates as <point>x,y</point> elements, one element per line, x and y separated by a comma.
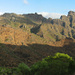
<point>49,29</point>
<point>56,29</point>
<point>34,38</point>
<point>18,36</point>
<point>34,18</point>
<point>13,36</point>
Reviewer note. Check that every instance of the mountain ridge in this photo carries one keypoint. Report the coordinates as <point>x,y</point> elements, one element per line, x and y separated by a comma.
<point>54,29</point>
<point>29,38</point>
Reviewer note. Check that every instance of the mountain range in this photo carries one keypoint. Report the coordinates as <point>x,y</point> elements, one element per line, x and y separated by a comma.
<point>49,29</point>
<point>30,37</point>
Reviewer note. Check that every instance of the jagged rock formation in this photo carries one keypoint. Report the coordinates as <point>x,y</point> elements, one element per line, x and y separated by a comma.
<point>58,28</point>
<point>30,37</point>
<point>18,36</point>
<point>49,29</point>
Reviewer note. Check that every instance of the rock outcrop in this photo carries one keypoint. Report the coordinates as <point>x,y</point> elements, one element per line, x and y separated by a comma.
<point>49,29</point>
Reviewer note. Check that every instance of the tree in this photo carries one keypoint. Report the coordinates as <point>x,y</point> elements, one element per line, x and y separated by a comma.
<point>59,64</point>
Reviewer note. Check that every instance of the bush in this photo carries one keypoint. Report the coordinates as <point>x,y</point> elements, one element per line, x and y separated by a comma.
<point>5,71</point>
<point>62,56</point>
<point>40,68</point>
<point>57,67</point>
<point>16,71</point>
<point>60,64</point>
<point>24,69</point>
<point>59,56</point>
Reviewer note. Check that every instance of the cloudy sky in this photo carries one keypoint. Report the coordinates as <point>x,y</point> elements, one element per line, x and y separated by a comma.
<point>48,8</point>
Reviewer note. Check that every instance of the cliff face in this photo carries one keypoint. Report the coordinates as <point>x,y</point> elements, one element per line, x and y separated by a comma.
<point>57,29</point>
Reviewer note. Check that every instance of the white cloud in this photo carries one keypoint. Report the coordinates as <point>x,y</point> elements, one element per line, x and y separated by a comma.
<point>1,13</point>
<point>72,10</point>
<point>52,15</point>
<point>25,1</point>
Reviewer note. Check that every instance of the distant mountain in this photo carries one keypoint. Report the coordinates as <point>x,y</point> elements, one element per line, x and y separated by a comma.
<point>30,37</point>
<point>56,29</point>
<point>49,29</point>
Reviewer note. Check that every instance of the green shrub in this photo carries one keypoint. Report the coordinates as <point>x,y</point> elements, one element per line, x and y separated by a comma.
<point>40,68</point>
<point>5,71</point>
<point>62,55</point>
<point>71,67</point>
<point>24,69</point>
<point>57,67</point>
<point>16,71</point>
<point>60,64</point>
<point>59,56</point>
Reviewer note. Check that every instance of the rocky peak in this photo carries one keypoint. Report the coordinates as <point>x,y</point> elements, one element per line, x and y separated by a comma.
<point>35,16</point>
<point>71,13</point>
<point>63,17</point>
<point>57,21</point>
<point>9,14</point>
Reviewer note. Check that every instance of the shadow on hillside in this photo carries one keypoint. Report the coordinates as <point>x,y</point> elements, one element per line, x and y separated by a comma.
<point>12,55</point>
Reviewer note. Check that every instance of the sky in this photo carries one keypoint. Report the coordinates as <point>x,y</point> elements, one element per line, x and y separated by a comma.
<point>48,8</point>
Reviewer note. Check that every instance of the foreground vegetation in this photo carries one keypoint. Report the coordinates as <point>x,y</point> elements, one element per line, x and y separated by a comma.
<point>59,64</point>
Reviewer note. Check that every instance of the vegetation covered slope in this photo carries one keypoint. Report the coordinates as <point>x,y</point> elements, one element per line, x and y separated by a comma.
<point>58,64</point>
<point>30,37</point>
<point>49,29</point>
<point>56,29</point>
<point>12,55</point>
